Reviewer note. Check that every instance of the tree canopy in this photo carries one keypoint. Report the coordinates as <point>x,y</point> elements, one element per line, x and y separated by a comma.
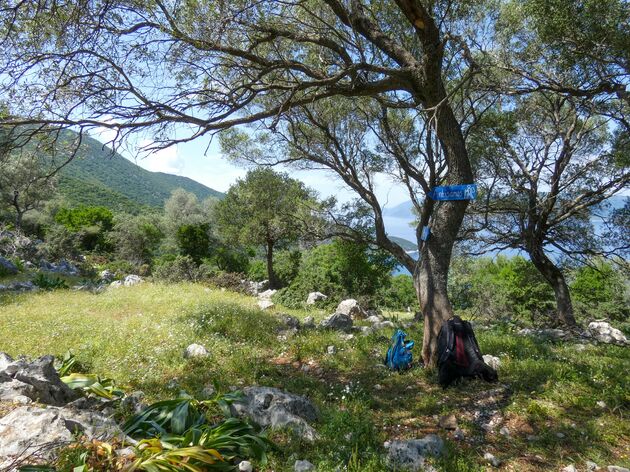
<point>266,208</point>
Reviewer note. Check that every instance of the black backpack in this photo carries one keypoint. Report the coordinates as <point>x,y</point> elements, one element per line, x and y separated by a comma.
<point>459,354</point>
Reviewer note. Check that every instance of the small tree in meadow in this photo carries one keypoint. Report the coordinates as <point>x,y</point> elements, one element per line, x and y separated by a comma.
<point>267,208</point>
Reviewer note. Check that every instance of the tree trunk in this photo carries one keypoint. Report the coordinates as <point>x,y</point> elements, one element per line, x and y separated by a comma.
<point>270,273</point>
<point>431,273</point>
<point>18,220</point>
<point>554,276</point>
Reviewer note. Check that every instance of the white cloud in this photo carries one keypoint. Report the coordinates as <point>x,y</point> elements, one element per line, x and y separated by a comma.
<point>166,160</point>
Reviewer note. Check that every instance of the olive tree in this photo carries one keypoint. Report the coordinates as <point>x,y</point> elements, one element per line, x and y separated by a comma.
<point>549,165</point>
<point>266,208</point>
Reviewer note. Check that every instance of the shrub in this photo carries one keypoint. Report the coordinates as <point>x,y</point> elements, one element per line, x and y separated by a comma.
<point>501,288</point>
<point>135,238</point>
<point>120,267</point>
<point>46,282</point>
<point>398,294</point>
<point>229,281</point>
<point>193,240</point>
<point>91,222</point>
<point>231,260</point>
<point>600,292</point>
<point>179,269</point>
<point>61,243</point>
<point>257,270</point>
<point>340,269</point>
<point>286,265</point>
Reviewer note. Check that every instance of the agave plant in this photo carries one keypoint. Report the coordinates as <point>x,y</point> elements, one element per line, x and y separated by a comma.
<point>45,282</point>
<point>92,383</point>
<point>160,456</point>
<point>176,416</point>
<point>68,363</point>
<point>232,437</point>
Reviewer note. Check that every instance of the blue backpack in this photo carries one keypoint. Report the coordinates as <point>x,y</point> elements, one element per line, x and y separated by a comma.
<point>399,356</point>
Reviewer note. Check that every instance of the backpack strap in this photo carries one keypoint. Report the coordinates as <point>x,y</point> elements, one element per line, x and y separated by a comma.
<point>473,339</point>
<point>450,341</point>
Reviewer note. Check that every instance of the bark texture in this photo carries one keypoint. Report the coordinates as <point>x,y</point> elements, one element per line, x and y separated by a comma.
<point>554,276</point>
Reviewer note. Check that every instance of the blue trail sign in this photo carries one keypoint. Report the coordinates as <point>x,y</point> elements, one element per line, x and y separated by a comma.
<point>454,192</point>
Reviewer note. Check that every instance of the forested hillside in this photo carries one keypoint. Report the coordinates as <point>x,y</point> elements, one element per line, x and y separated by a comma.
<point>100,176</point>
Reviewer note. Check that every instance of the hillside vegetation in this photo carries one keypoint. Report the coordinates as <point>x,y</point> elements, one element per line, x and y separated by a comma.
<point>100,176</point>
<point>560,402</point>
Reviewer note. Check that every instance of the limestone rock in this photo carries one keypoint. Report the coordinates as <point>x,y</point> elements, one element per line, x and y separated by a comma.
<point>384,325</point>
<point>131,280</point>
<point>569,468</point>
<point>490,459</point>
<point>107,276</point>
<point>32,431</point>
<point>245,466</point>
<point>315,297</point>
<point>303,466</point>
<point>411,455</point>
<point>551,333</point>
<point>351,308</point>
<point>265,304</point>
<point>133,402</point>
<point>337,321</point>
<point>14,390</point>
<point>7,267</point>
<point>42,376</point>
<point>290,321</point>
<point>616,468</point>
<point>448,422</point>
<point>308,323</point>
<point>267,294</point>
<point>275,408</point>
<point>195,350</point>
<point>5,360</point>
<point>605,333</point>
<point>492,361</point>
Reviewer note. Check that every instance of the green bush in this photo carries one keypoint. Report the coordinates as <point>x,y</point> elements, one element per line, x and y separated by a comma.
<point>193,240</point>
<point>286,265</point>
<point>61,243</point>
<point>231,260</point>
<point>91,222</point>
<point>46,282</point>
<point>135,238</point>
<point>230,281</point>
<point>341,269</point>
<point>257,270</point>
<point>179,269</point>
<point>600,292</point>
<point>398,294</point>
<point>121,267</point>
<point>501,289</point>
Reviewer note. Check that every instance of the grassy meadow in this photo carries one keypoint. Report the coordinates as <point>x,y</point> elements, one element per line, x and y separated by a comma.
<point>547,397</point>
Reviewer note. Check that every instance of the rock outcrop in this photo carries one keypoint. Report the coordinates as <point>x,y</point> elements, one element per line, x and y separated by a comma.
<point>275,408</point>
<point>411,455</point>
<point>351,308</point>
<point>315,297</point>
<point>605,333</point>
<point>337,321</point>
